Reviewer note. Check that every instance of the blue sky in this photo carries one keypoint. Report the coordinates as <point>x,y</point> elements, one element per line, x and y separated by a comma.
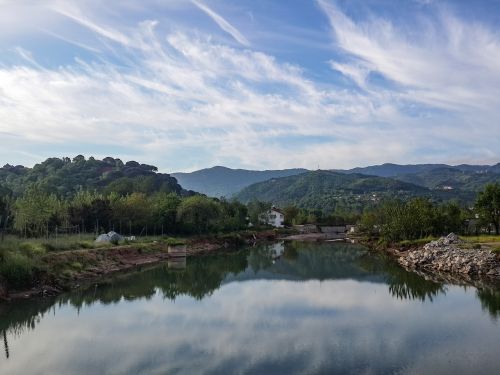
<point>255,84</point>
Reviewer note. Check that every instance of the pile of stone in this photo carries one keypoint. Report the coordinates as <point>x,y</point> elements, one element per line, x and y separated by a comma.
<point>446,255</point>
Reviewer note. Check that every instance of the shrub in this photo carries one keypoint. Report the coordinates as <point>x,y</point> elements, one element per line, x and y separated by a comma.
<point>31,249</point>
<point>48,246</point>
<point>170,241</point>
<point>17,269</point>
<point>77,266</point>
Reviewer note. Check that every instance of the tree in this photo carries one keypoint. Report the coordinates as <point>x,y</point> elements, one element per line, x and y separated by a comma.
<point>36,211</point>
<point>488,205</point>
<point>255,209</point>
<point>290,213</point>
<point>164,210</point>
<point>198,213</point>
<point>5,214</point>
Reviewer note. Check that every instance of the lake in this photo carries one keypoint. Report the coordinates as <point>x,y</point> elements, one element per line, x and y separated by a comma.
<point>284,308</point>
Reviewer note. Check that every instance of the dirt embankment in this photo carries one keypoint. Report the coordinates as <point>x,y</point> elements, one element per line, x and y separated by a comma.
<point>67,270</point>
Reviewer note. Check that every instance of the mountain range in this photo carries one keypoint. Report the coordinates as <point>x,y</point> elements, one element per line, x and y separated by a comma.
<point>227,182</point>
<point>326,190</point>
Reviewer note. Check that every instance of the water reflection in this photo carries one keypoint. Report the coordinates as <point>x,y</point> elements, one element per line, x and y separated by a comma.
<point>227,312</point>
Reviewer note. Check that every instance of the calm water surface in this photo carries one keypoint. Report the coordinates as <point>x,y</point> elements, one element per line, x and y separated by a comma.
<point>280,309</point>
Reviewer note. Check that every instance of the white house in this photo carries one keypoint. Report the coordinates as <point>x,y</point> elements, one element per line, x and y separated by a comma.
<point>274,217</point>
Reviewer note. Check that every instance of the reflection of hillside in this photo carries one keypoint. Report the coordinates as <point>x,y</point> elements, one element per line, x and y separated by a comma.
<point>323,261</point>
<point>303,261</point>
<point>205,274</point>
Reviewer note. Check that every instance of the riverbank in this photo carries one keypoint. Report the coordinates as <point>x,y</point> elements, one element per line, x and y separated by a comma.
<point>452,255</point>
<point>65,270</point>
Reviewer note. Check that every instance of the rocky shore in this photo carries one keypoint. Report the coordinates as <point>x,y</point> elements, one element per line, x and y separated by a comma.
<point>449,255</point>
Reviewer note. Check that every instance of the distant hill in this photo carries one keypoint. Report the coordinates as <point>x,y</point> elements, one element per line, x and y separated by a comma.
<point>393,170</point>
<point>225,182</point>
<point>329,191</point>
<point>221,181</point>
<point>65,176</point>
<point>451,178</point>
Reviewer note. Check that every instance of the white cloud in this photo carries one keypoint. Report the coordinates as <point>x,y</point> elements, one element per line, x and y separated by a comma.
<point>181,101</point>
<point>223,24</point>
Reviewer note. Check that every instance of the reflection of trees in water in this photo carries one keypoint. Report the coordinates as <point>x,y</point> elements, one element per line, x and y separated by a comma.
<point>490,301</point>
<point>5,344</point>
<point>205,274</point>
<point>201,277</point>
<point>15,318</point>
<point>402,283</point>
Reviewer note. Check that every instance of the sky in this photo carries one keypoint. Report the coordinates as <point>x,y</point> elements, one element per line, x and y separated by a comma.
<point>257,84</point>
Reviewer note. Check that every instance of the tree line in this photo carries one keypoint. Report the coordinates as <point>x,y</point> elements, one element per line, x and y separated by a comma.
<point>397,220</point>
<point>38,214</point>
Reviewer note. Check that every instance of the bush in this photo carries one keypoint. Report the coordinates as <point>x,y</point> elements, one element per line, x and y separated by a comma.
<point>17,269</point>
<point>77,266</point>
<point>170,241</point>
<point>31,249</point>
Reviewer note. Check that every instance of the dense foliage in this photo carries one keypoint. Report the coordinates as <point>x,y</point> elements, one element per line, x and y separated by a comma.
<point>64,177</point>
<point>451,178</point>
<point>396,220</point>
<point>329,192</point>
<point>488,205</point>
<point>39,214</point>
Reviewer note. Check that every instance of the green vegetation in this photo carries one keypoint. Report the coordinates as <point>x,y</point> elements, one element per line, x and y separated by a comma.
<point>488,205</point>
<point>225,182</point>
<point>418,218</point>
<point>412,222</point>
<point>65,177</point>
<point>484,238</point>
<point>329,192</point>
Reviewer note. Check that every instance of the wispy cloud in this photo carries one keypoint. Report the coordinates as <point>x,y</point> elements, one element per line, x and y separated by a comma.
<point>73,12</point>
<point>180,100</point>
<point>223,24</point>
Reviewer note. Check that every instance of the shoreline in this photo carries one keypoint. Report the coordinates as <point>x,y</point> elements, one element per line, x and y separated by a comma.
<point>70,269</point>
<point>448,260</point>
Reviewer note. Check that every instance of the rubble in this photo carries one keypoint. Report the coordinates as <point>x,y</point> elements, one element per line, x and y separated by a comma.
<point>446,255</point>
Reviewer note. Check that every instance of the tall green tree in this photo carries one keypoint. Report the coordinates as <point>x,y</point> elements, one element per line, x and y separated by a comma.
<point>198,213</point>
<point>488,205</point>
<point>37,212</point>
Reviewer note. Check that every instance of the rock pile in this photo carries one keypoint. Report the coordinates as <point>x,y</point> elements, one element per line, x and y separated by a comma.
<point>446,255</point>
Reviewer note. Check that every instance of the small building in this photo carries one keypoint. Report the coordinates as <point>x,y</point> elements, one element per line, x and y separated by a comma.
<point>274,217</point>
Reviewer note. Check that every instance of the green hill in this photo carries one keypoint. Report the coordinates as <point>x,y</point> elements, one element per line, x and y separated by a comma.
<point>64,177</point>
<point>225,182</point>
<point>329,191</point>
<point>395,170</point>
<point>446,178</point>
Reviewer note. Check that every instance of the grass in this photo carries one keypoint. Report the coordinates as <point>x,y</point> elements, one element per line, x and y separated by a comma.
<point>17,269</point>
<point>483,238</point>
<point>42,245</point>
<point>172,241</point>
<point>417,242</point>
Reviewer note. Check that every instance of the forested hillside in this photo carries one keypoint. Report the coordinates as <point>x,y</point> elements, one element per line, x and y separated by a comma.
<point>64,177</point>
<point>225,182</point>
<point>329,191</point>
<point>451,178</point>
<point>394,170</point>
